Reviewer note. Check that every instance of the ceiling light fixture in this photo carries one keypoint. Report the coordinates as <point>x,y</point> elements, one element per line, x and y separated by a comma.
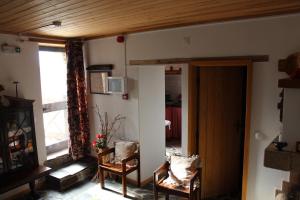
<point>55,23</point>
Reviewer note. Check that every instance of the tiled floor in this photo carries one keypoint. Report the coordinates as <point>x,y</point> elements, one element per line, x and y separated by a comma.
<point>91,191</point>
<point>173,148</point>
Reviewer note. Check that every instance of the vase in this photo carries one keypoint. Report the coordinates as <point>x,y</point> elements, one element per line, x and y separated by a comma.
<point>104,158</point>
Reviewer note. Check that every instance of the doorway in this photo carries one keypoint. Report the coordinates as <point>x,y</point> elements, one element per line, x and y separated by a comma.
<point>173,109</point>
<point>219,129</point>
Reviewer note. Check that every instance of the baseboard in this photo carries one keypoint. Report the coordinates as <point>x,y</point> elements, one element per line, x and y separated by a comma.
<point>143,183</point>
<point>131,181</point>
<point>146,181</point>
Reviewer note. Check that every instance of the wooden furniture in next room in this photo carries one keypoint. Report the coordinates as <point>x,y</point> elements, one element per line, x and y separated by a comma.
<point>18,151</point>
<point>165,179</point>
<point>121,166</point>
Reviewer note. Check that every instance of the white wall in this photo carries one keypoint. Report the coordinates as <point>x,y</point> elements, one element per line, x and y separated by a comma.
<point>184,109</point>
<point>110,52</point>
<point>274,36</point>
<point>151,118</point>
<point>24,67</point>
<point>291,117</point>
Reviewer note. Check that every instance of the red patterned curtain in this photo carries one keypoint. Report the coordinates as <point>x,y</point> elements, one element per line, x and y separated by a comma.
<point>77,102</point>
<point>173,114</point>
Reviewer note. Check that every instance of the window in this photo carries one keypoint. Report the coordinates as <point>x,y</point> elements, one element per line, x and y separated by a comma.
<point>54,98</point>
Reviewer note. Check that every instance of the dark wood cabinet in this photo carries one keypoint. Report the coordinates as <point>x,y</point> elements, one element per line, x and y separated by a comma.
<point>18,150</point>
<point>1,158</point>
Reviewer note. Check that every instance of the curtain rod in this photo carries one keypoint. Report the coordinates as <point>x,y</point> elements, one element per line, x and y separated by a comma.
<point>47,40</point>
<point>42,39</point>
<point>54,40</point>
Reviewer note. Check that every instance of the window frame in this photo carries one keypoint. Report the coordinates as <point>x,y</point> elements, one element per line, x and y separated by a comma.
<point>56,106</point>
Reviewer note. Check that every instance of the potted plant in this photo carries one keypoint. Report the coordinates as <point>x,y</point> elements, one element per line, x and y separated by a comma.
<point>107,130</point>
<point>100,143</point>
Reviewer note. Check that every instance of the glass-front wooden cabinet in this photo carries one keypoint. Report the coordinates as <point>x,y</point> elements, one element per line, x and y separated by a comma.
<point>1,160</point>
<point>17,140</point>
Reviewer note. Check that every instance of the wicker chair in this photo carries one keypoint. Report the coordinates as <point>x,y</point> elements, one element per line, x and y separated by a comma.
<point>190,192</point>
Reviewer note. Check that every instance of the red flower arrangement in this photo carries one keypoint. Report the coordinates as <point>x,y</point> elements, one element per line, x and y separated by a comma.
<point>100,142</point>
<point>98,136</point>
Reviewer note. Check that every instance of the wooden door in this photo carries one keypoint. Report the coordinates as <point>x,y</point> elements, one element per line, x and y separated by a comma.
<point>220,129</point>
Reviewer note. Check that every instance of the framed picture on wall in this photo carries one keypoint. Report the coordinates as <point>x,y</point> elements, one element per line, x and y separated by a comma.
<point>97,75</point>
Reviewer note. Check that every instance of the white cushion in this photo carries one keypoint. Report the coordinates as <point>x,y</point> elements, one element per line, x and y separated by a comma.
<point>281,196</point>
<point>172,180</point>
<point>182,168</point>
<point>123,150</point>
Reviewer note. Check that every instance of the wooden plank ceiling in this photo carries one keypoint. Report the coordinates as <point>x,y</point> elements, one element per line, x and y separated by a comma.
<point>100,18</point>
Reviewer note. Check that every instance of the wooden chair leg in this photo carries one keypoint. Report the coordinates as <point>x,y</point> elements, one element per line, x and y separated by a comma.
<point>33,193</point>
<point>124,185</point>
<point>101,177</point>
<point>155,193</point>
<point>167,196</point>
<point>192,196</point>
<point>139,176</point>
<point>154,188</point>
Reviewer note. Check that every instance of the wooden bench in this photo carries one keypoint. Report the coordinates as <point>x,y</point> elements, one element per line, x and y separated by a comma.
<point>11,181</point>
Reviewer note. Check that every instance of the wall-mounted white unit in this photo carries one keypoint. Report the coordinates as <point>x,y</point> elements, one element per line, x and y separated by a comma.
<point>115,85</point>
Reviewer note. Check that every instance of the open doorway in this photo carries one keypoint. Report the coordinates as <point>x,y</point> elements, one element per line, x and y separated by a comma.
<point>173,109</point>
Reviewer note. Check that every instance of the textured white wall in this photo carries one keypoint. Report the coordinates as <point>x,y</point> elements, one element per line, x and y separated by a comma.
<point>151,118</point>
<point>108,51</point>
<point>184,109</point>
<point>291,117</point>
<point>274,36</point>
<point>24,67</point>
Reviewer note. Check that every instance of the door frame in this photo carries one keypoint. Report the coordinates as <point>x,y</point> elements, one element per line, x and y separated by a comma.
<point>192,114</point>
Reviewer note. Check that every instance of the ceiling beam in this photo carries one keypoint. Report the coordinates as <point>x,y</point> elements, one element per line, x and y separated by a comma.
<point>253,58</point>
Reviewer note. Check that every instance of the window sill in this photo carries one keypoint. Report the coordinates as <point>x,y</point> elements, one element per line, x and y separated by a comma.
<point>63,152</point>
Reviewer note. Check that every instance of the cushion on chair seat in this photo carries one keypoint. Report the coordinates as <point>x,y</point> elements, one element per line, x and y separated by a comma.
<point>116,167</point>
<point>170,182</point>
<point>170,186</point>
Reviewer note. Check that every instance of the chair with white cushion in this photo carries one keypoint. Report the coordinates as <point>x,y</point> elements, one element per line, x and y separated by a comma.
<point>181,176</point>
<point>126,159</point>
